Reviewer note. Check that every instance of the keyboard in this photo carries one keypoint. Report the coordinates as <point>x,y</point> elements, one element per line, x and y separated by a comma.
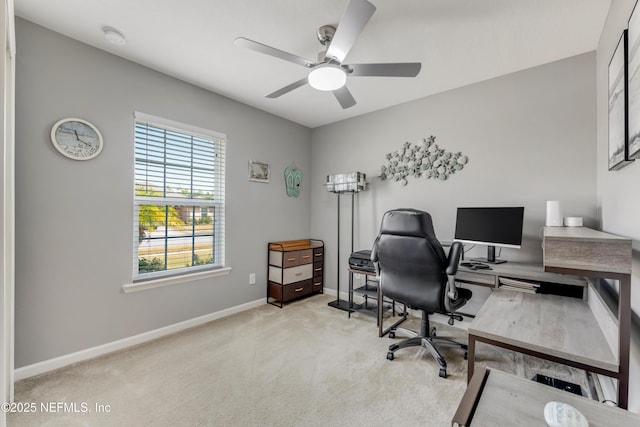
<point>474,265</point>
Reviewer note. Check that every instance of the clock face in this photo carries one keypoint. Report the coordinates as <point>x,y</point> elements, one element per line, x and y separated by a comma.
<point>76,139</point>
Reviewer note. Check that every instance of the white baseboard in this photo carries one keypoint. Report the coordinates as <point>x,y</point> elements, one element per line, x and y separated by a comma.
<point>332,292</point>
<point>90,353</point>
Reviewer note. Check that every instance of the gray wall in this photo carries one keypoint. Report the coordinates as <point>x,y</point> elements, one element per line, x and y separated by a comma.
<point>74,219</point>
<point>530,137</point>
<point>618,191</point>
<point>6,215</point>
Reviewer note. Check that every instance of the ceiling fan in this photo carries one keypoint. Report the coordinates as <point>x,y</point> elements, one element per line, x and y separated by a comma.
<point>328,73</point>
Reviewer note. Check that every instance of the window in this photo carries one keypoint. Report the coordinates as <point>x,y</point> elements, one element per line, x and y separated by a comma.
<point>179,198</point>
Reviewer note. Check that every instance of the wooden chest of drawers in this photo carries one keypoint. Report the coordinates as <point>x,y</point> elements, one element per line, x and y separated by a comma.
<point>296,269</point>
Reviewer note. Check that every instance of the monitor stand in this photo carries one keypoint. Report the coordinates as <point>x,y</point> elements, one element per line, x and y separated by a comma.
<point>491,257</point>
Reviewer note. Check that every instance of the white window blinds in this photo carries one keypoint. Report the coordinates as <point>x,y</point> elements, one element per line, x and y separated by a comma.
<point>179,198</point>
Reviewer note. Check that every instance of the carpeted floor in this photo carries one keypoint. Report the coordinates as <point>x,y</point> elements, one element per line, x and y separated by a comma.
<point>303,365</point>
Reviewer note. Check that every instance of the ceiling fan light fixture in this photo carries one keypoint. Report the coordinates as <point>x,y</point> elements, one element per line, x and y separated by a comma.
<point>327,77</point>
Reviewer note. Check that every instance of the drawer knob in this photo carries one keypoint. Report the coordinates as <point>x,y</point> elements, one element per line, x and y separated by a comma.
<point>306,256</point>
<point>298,274</point>
<point>291,259</point>
<point>298,290</point>
<point>317,284</point>
<point>320,254</point>
<point>319,268</point>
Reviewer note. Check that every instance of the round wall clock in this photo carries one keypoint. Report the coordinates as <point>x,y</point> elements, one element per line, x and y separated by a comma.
<point>76,139</point>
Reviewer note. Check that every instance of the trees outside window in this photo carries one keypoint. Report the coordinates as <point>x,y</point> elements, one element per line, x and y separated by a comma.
<point>179,199</point>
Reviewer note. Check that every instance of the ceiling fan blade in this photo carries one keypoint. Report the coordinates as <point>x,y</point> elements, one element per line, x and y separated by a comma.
<point>353,21</point>
<point>344,97</point>
<point>272,51</point>
<point>288,88</point>
<point>399,69</point>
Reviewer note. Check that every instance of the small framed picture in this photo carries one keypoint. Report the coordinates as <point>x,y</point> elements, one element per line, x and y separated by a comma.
<point>259,171</point>
<point>618,111</point>
<point>633,83</point>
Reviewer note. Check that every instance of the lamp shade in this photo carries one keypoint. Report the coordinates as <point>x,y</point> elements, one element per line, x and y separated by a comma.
<point>327,77</point>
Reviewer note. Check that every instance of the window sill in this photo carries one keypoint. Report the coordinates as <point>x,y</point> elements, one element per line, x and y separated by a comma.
<point>167,281</point>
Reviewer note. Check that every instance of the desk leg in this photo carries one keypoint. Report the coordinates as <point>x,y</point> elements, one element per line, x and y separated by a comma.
<point>624,336</point>
<point>380,310</point>
<point>350,294</point>
<point>471,353</point>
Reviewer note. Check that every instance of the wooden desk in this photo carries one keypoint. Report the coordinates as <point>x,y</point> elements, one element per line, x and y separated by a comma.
<point>551,327</point>
<point>495,398</point>
<point>592,253</point>
<point>554,283</point>
<point>556,330</point>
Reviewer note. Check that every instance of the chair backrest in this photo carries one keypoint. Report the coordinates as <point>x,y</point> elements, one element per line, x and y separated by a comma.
<point>411,260</point>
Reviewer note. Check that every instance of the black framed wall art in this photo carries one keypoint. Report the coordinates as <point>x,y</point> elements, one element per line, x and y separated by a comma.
<point>618,102</point>
<point>633,83</point>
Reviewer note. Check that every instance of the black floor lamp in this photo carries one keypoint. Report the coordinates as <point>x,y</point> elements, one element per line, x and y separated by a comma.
<point>346,183</point>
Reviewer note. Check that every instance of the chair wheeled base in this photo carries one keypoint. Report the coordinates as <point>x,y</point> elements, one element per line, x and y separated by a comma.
<point>428,340</point>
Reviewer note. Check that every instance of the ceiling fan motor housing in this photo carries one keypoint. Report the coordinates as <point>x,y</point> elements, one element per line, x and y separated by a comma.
<point>325,34</point>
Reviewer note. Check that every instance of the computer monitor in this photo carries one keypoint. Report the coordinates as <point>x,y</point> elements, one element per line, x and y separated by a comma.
<point>491,226</point>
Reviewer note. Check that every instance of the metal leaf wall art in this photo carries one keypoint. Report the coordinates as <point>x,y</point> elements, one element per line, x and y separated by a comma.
<point>422,160</point>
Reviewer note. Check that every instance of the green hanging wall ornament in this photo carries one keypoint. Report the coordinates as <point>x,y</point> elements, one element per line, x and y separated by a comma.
<point>293,180</point>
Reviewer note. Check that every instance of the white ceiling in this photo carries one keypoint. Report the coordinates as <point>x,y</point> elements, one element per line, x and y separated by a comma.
<point>459,42</point>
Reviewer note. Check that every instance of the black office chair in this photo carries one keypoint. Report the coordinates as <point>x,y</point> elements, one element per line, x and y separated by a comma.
<point>415,271</point>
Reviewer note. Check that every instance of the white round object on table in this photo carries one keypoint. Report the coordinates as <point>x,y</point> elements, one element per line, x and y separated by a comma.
<point>573,221</point>
<point>559,414</point>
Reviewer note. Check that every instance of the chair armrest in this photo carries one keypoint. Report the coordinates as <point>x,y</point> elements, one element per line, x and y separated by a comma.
<point>455,252</point>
